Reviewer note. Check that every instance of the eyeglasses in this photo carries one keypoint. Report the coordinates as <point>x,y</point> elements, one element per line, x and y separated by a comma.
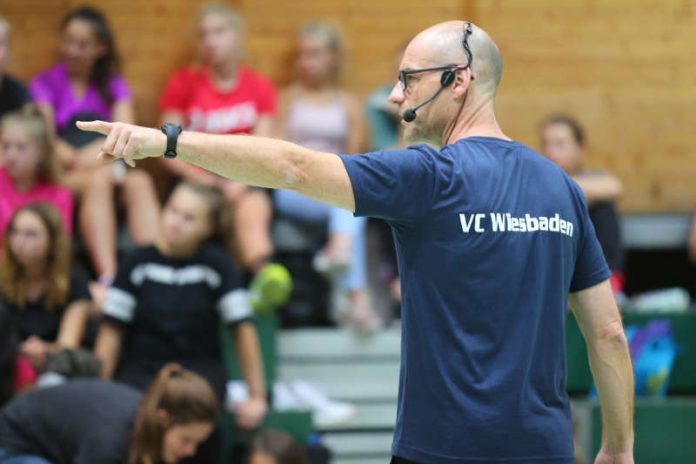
<point>405,74</point>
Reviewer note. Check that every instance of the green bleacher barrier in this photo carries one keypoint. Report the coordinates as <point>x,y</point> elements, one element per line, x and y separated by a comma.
<point>266,327</point>
<point>664,431</point>
<point>683,376</point>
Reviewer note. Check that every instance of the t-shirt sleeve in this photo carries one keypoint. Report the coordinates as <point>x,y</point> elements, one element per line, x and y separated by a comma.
<point>120,301</point>
<point>176,93</point>
<point>79,289</point>
<point>233,304</point>
<point>267,99</point>
<point>590,266</point>
<point>393,184</point>
<point>119,88</point>
<point>41,89</point>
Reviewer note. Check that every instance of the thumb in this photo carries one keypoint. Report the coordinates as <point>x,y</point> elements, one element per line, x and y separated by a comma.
<point>100,127</point>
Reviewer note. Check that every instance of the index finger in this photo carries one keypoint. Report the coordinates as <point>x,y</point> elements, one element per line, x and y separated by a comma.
<point>101,127</point>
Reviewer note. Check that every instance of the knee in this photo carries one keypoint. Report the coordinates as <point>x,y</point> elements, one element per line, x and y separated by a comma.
<point>101,179</point>
<point>139,181</point>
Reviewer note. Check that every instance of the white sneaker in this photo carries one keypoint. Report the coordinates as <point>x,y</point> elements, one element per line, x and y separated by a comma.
<point>325,411</point>
<point>298,395</point>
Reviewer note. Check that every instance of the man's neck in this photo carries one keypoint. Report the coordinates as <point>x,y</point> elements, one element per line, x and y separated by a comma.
<point>477,121</point>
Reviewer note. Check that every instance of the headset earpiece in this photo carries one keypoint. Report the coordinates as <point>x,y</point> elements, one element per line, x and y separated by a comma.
<point>447,78</point>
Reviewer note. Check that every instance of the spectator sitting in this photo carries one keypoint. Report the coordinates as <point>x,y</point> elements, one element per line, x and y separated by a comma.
<point>86,85</point>
<point>169,299</point>
<point>13,95</point>
<point>28,171</point>
<point>563,142</point>
<point>276,447</point>
<point>317,113</point>
<point>224,97</point>
<point>48,303</point>
<point>384,121</point>
<point>92,421</point>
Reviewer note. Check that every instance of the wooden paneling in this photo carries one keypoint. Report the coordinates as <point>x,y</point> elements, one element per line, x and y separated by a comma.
<point>625,68</point>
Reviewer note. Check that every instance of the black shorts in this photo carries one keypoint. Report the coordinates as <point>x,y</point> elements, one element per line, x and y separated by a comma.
<point>398,460</point>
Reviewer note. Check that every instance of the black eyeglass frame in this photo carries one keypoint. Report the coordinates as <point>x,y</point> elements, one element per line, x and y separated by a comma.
<point>403,75</point>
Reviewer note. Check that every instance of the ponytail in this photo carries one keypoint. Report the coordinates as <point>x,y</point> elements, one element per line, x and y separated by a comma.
<point>186,398</point>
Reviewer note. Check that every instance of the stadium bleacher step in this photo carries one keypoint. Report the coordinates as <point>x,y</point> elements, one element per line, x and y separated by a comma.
<point>381,416</point>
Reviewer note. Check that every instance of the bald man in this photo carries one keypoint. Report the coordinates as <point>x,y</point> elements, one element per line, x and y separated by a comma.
<point>493,242</point>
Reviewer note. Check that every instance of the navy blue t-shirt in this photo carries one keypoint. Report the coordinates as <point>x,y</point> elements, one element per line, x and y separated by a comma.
<point>490,239</point>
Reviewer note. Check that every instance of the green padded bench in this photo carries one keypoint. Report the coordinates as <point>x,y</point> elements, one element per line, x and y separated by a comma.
<point>297,424</point>
<point>664,430</point>
<point>683,376</point>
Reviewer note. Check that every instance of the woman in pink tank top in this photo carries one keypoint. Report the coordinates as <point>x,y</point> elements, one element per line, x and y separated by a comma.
<point>317,113</point>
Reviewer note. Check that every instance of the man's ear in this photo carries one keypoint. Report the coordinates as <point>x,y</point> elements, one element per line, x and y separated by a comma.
<point>463,81</point>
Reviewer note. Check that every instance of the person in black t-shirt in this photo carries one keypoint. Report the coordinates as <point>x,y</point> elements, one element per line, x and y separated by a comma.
<point>93,421</point>
<point>13,94</point>
<point>47,301</point>
<point>563,142</point>
<point>169,299</point>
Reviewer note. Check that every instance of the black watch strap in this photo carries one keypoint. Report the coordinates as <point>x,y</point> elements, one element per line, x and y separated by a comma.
<point>172,132</point>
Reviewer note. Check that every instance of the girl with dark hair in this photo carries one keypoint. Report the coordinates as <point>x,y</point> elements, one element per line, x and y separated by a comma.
<point>47,302</point>
<point>86,85</point>
<point>169,299</point>
<point>92,421</point>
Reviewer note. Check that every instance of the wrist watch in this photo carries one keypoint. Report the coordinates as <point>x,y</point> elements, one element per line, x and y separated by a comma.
<point>172,132</point>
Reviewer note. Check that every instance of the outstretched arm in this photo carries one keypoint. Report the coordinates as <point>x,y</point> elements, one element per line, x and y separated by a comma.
<point>252,160</point>
<point>600,322</point>
<point>599,187</point>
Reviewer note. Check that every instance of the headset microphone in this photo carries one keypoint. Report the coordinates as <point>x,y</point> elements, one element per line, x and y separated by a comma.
<point>446,79</point>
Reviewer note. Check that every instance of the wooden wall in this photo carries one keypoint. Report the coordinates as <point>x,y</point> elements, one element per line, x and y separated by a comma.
<point>625,68</point>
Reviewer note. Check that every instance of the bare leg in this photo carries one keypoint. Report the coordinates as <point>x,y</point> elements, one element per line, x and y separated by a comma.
<point>142,206</point>
<point>98,220</point>
<point>252,221</point>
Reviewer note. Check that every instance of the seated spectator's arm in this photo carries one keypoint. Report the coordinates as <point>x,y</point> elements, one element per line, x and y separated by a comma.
<point>250,413</point>
<point>599,187</point>
<point>108,347</point>
<point>264,126</point>
<point>65,153</point>
<point>600,322</point>
<point>124,111</point>
<point>72,328</point>
<point>252,223</point>
<point>72,325</point>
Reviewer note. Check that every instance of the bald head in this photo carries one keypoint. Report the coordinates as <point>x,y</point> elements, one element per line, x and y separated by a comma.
<point>443,43</point>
